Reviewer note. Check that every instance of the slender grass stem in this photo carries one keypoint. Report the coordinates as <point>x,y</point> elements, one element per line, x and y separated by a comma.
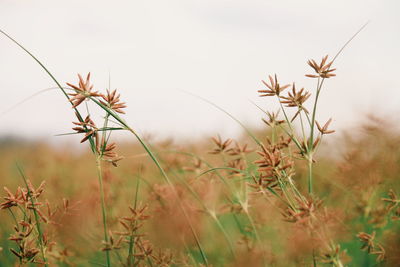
<point>302,130</point>
<point>292,136</point>
<point>314,112</point>
<point>255,139</point>
<point>103,208</point>
<point>257,235</point>
<point>213,216</point>
<point>310,176</point>
<point>286,194</point>
<point>310,149</point>
<point>13,216</point>
<point>131,248</point>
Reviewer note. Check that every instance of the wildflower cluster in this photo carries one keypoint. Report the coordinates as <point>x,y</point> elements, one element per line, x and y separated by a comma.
<point>32,229</point>
<point>111,101</point>
<point>140,250</point>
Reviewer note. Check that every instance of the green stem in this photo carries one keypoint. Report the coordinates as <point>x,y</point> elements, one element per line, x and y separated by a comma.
<point>213,216</point>
<point>310,149</point>
<point>15,219</point>
<point>131,258</point>
<point>310,176</point>
<point>103,208</point>
<point>302,130</point>
<point>292,135</point>
<point>311,140</point>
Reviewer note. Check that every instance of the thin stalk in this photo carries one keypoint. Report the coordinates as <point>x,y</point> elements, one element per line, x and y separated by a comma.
<point>116,252</point>
<point>253,225</point>
<point>273,135</point>
<point>294,188</point>
<point>148,258</point>
<point>13,215</point>
<point>131,258</point>
<point>103,142</point>
<point>220,168</point>
<point>258,142</point>
<point>264,193</point>
<point>23,212</point>
<point>308,117</point>
<point>285,115</point>
<point>292,136</point>
<point>302,130</point>
<point>103,207</point>
<point>207,164</point>
<point>284,191</point>
<point>213,216</point>
<point>310,176</point>
<point>314,112</point>
<point>310,149</point>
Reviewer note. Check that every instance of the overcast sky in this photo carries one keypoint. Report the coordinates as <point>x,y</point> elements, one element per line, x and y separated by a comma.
<point>220,50</point>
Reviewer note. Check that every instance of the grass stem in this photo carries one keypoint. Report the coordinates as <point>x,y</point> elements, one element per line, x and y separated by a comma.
<point>103,208</point>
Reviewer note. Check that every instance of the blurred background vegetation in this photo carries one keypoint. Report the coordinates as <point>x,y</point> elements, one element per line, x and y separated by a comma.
<point>352,176</point>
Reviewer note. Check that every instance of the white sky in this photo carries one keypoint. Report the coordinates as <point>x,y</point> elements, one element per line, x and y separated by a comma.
<point>217,49</point>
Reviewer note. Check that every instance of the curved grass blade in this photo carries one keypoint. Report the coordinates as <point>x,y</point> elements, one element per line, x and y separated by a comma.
<point>230,115</point>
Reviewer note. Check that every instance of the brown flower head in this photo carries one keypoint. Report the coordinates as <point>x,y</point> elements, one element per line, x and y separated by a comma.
<point>82,91</point>
<point>237,166</point>
<point>88,127</point>
<point>196,166</point>
<point>239,150</point>
<point>324,129</point>
<point>11,199</point>
<point>271,164</point>
<point>296,98</point>
<point>107,151</point>
<point>112,101</point>
<point>304,212</point>
<point>323,69</point>
<point>371,246</point>
<point>367,241</point>
<point>273,119</point>
<point>221,145</point>
<point>274,87</point>
<point>379,252</point>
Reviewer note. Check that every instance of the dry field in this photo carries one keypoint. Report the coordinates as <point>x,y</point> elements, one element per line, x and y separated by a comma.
<point>277,196</point>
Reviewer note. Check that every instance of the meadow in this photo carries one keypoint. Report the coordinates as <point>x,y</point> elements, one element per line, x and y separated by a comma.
<point>276,196</point>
